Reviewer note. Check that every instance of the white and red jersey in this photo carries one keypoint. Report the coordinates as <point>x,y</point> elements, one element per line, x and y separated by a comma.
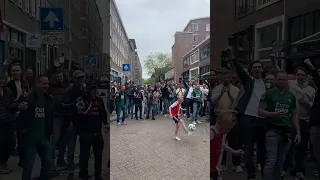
<point>175,107</point>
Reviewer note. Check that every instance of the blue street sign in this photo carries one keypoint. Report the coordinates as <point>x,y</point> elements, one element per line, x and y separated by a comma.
<point>51,19</point>
<point>125,67</point>
<point>93,60</point>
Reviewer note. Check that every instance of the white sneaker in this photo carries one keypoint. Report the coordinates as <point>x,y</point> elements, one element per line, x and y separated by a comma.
<point>118,124</point>
<point>176,138</point>
<point>224,168</point>
<point>193,122</point>
<point>198,122</point>
<point>124,123</point>
<point>190,133</point>
<point>238,169</point>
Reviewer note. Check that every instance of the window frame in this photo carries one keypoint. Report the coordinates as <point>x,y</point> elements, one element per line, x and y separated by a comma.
<point>195,29</point>
<point>264,5</point>
<point>195,35</point>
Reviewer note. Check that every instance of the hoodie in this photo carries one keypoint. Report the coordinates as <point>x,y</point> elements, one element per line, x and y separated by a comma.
<point>302,91</point>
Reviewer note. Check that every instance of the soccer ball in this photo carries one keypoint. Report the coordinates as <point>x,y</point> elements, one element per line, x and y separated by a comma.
<point>192,127</point>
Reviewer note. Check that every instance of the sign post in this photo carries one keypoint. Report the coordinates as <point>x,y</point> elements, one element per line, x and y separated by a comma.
<point>126,69</point>
<point>51,25</point>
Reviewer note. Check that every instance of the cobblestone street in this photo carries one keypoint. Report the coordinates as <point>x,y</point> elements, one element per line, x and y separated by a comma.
<point>145,150</point>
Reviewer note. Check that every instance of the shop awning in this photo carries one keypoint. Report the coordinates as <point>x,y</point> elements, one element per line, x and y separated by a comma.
<point>313,38</point>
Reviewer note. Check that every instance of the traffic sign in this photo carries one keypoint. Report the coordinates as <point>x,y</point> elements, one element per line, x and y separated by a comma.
<point>53,38</point>
<point>33,40</point>
<point>126,67</point>
<point>51,19</point>
<point>93,60</point>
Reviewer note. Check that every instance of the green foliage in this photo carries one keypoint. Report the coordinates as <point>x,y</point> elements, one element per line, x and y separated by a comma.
<point>147,81</point>
<point>156,61</point>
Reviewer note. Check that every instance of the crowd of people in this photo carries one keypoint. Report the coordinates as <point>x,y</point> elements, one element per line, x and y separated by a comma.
<point>148,101</point>
<point>46,114</point>
<point>276,120</point>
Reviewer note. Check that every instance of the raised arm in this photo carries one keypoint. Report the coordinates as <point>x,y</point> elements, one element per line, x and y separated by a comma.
<point>236,66</point>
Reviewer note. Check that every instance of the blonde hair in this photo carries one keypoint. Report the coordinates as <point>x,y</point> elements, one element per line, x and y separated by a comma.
<point>227,115</point>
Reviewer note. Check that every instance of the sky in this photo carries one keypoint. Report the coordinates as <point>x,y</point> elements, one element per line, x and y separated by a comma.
<point>153,23</point>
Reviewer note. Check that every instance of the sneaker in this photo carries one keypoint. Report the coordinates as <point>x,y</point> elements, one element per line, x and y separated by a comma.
<point>198,122</point>
<point>194,122</point>
<point>123,123</point>
<point>190,133</point>
<point>299,176</point>
<point>118,124</point>
<point>238,169</point>
<point>224,168</point>
<point>176,138</point>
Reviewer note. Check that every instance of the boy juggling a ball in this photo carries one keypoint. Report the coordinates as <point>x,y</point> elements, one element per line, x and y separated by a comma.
<point>224,123</point>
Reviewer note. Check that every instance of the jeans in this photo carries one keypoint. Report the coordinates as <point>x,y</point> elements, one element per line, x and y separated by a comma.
<point>252,130</point>
<point>301,148</point>
<point>123,109</point>
<point>56,131</point>
<point>30,157</point>
<point>165,106</point>
<point>130,107</point>
<point>7,144</point>
<point>138,107</point>
<point>277,147</point>
<point>315,136</point>
<point>189,107</point>
<point>86,142</point>
<point>196,110</point>
<point>148,110</point>
<point>143,106</point>
<point>71,144</point>
<point>154,110</point>
<point>204,108</point>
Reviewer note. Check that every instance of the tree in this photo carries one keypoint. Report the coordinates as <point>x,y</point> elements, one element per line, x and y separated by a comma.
<point>157,62</point>
<point>147,81</point>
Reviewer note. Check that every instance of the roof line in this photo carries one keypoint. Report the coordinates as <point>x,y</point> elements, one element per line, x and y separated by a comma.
<point>199,18</point>
<point>119,17</point>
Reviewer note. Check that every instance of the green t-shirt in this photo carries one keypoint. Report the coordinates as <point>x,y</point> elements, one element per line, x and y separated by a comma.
<point>197,96</point>
<point>121,103</point>
<point>37,126</point>
<point>276,102</point>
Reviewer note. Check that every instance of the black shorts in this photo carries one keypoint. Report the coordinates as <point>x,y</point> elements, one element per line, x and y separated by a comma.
<point>176,119</point>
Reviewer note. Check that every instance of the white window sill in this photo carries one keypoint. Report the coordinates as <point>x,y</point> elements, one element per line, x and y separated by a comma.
<point>266,4</point>
<point>194,62</point>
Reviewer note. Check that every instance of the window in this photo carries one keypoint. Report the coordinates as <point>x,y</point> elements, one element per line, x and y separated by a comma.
<point>194,57</point>
<point>20,3</point>
<point>304,26</point>
<point>195,37</point>
<point>244,7</point>
<point>195,27</point>
<point>186,61</point>
<point>33,8</point>
<point>265,37</point>
<point>317,20</point>
<point>204,69</point>
<point>27,6</point>
<point>208,27</point>
<point>193,74</point>
<point>205,52</point>
<point>264,3</point>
